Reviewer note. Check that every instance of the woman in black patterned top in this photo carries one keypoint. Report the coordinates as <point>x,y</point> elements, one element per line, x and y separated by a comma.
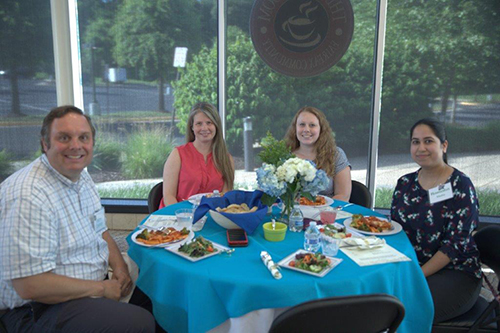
<point>438,209</point>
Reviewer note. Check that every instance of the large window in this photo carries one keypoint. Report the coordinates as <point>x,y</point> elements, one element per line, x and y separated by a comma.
<point>27,86</point>
<point>129,83</point>
<point>442,59</point>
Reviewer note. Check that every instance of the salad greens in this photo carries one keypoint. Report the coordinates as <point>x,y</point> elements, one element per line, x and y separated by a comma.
<point>198,247</point>
<point>313,262</point>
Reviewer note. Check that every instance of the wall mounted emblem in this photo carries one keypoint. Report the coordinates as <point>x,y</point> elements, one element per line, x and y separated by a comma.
<point>301,38</point>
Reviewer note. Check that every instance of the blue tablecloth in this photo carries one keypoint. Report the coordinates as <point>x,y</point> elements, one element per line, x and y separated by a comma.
<point>196,297</point>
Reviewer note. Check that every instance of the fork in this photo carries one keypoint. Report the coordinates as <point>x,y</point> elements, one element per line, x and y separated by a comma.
<point>228,251</point>
<point>347,205</point>
<point>143,226</point>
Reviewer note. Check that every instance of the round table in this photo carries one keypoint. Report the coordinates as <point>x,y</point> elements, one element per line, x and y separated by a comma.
<point>199,296</point>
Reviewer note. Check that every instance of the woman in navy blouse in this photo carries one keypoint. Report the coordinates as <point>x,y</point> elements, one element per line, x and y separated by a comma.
<point>438,209</point>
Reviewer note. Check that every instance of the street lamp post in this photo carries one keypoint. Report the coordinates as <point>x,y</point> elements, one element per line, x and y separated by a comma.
<point>95,109</point>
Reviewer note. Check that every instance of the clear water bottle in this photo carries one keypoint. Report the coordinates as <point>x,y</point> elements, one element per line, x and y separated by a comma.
<point>216,194</point>
<point>311,238</point>
<point>296,219</point>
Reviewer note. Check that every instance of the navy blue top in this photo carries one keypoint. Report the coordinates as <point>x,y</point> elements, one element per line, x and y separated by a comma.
<point>445,226</point>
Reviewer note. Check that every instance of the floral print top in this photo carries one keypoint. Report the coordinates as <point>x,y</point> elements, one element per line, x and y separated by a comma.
<point>444,226</point>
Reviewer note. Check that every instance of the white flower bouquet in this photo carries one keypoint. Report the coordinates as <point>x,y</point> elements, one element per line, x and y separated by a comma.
<point>289,181</point>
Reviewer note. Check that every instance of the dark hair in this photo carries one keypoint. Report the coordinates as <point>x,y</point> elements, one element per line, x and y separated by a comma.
<point>437,128</point>
<point>60,112</point>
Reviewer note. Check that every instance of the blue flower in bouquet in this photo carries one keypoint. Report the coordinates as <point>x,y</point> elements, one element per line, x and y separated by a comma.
<point>268,181</point>
<point>319,183</point>
<point>288,181</point>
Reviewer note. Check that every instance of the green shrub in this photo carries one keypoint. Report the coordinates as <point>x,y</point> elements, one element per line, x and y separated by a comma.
<point>134,191</point>
<point>145,154</point>
<point>489,202</point>
<point>107,153</point>
<point>5,165</point>
<point>473,139</point>
<point>383,197</point>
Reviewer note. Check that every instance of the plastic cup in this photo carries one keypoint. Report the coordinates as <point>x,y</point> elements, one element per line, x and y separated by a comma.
<point>185,218</point>
<point>328,215</point>
<point>330,245</point>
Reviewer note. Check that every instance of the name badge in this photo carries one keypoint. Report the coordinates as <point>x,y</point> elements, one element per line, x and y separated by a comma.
<point>440,193</point>
<point>100,221</point>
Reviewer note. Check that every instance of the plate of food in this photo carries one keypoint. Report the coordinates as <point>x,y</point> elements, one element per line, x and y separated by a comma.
<point>197,249</point>
<point>315,264</point>
<point>336,231</point>
<point>161,237</point>
<point>196,198</point>
<point>321,201</point>
<point>372,225</point>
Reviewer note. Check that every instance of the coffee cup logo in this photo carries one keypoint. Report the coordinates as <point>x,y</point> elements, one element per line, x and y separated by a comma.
<point>301,37</point>
<point>303,31</point>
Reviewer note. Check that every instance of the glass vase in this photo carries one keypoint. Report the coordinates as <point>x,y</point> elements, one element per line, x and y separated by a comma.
<point>288,200</point>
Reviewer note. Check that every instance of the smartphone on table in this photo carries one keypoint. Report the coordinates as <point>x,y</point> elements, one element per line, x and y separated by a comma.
<point>237,237</point>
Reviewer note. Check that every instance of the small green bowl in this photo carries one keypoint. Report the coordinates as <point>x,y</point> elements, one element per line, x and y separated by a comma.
<point>276,235</point>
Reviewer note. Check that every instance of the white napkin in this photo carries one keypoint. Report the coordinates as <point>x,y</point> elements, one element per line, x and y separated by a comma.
<point>363,243</point>
<point>158,221</point>
<point>271,266</point>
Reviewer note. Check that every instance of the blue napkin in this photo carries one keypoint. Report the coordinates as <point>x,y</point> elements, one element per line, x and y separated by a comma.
<point>247,221</point>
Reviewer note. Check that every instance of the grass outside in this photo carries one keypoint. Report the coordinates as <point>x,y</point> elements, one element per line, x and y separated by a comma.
<point>138,191</point>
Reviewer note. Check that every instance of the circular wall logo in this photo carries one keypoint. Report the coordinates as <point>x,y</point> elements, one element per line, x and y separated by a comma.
<point>301,38</point>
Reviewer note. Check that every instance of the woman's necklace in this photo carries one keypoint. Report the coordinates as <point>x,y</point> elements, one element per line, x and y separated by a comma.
<point>436,181</point>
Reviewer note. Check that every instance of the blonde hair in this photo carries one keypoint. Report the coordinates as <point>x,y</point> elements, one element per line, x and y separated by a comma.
<point>326,148</point>
<point>220,154</point>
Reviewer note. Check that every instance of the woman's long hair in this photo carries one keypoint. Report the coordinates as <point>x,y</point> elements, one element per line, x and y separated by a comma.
<point>326,148</point>
<point>220,154</point>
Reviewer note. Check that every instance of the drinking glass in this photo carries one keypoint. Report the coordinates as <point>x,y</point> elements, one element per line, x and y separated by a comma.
<point>330,245</point>
<point>185,217</point>
<point>328,215</point>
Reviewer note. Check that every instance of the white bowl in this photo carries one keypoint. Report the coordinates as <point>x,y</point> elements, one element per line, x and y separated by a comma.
<point>222,220</point>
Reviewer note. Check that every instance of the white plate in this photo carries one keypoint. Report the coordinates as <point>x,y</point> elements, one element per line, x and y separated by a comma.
<point>177,242</point>
<point>175,249</point>
<point>354,232</point>
<point>328,202</point>
<point>197,197</point>
<point>396,227</point>
<point>284,263</point>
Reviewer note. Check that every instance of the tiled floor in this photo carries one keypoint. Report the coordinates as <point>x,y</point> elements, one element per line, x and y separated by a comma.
<point>120,238</point>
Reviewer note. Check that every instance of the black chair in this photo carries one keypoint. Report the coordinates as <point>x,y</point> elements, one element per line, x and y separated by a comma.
<point>154,197</point>
<point>484,316</point>
<point>2,326</point>
<point>361,313</point>
<point>360,195</point>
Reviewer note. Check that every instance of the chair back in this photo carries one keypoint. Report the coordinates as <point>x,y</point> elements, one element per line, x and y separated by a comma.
<point>154,197</point>
<point>360,195</point>
<point>488,243</point>
<point>372,313</point>
<point>484,315</point>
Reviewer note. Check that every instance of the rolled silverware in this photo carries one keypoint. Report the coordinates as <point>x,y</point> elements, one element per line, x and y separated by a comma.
<point>271,266</point>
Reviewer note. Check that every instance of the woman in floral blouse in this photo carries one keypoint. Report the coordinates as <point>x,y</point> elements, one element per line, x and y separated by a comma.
<point>438,209</point>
